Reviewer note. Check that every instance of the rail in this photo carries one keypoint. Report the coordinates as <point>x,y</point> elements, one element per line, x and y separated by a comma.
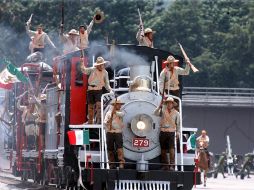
<point>243,97</point>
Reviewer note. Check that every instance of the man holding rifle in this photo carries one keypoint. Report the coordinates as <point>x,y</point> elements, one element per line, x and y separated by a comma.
<point>169,76</point>
<point>114,125</point>
<point>39,37</point>
<point>169,124</point>
<point>144,37</point>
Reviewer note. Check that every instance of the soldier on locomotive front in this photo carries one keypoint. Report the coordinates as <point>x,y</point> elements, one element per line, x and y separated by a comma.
<point>169,124</point>
<point>114,125</point>
<point>98,78</point>
<point>169,76</point>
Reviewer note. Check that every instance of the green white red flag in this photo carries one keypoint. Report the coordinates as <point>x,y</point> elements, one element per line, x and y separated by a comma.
<point>11,75</point>
<point>78,137</point>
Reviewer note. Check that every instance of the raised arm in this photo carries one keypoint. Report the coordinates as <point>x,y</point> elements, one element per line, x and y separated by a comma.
<point>185,71</point>
<point>89,27</point>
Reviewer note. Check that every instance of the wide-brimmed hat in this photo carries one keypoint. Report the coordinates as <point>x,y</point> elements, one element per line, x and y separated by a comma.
<point>170,99</point>
<point>117,102</point>
<point>43,97</point>
<point>149,30</point>
<point>171,59</point>
<point>74,32</point>
<point>100,61</point>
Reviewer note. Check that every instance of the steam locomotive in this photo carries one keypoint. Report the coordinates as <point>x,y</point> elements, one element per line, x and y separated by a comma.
<point>134,72</point>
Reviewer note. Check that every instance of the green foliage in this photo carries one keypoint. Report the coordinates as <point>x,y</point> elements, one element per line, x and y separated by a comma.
<point>217,35</point>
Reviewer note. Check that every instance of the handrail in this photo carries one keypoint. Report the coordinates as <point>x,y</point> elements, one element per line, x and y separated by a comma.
<point>218,91</point>
<point>218,96</point>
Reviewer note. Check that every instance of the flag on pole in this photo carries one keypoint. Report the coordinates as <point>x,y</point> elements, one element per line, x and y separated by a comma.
<point>191,142</point>
<point>78,137</point>
<point>11,75</point>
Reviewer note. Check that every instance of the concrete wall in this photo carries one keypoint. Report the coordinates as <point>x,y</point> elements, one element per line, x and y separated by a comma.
<point>237,122</point>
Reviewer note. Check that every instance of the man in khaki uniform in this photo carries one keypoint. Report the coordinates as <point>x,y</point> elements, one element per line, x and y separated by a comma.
<point>28,119</point>
<point>84,35</point>
<point>169,124</point>
<point>70,41</point>
<point>170,74</point>
<point>40,38</point>
<point>145,39</point>
<point>41,108</point>
<point>98,78</point>
<point>114,125</point>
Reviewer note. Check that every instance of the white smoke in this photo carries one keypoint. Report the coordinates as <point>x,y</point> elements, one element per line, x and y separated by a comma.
<point>119,56</point>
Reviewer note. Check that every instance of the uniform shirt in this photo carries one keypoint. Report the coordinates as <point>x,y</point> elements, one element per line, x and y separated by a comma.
<point>170,120</point>
<point>117,121</point>
<point>41,109</point>
<point>143,40</point>
<point>203,141</point>
<point>172,82</point>
<point>39,39</point>
<point>69,45</point>
<point>83,42</point>
<point>97,79</point>
<point>27,117</point>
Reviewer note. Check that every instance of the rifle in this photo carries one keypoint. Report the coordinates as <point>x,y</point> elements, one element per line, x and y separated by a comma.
<point>29,20</point>
<point>62,18</point>
<point>194,69</point>
<point>112,114</point>
<point>163,93</point>
<point>141,24</point>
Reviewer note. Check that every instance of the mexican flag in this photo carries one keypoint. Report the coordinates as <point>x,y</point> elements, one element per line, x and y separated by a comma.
<point>11,75</point>
<point>78,137</point>
<point>191,142</point>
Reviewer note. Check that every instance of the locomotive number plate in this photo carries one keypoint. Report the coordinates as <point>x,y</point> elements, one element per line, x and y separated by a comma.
<point>138,142</point>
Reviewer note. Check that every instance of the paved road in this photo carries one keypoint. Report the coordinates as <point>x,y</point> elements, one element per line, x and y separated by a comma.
<point>229,183</point>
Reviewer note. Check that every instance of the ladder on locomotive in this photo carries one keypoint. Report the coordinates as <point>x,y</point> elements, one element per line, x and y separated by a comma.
<point>21,88</point>
<point>96,151</point>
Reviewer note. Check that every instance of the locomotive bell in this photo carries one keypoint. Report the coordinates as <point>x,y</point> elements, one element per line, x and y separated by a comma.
<point>141,83</point>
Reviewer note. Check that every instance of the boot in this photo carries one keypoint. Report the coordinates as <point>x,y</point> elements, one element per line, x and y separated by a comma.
<point>120,158</point>
<point>172,159</point>
<point>164,159</point>
<point>98,112</point>
<point>90,113</point>
<point>111,159</point>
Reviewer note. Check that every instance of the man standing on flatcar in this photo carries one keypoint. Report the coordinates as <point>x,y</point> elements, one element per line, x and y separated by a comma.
<point>40,104</point>
<point>114,125</point>
<point>28,118</point>
<point>169,125</point>
<point>169,76</point>
<point>98,78</point>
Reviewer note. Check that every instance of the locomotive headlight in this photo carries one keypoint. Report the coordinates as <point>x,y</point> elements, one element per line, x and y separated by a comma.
<point>141,125</point>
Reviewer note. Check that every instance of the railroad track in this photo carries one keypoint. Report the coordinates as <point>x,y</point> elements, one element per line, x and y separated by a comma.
<point>16,183</point>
